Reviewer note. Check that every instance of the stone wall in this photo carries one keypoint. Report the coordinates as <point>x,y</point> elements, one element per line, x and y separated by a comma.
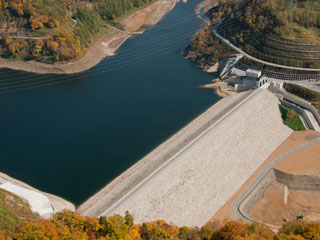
<point>298,182</point>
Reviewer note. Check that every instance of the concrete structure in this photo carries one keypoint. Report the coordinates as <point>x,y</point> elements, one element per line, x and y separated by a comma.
<point>58,204</point>
<point>253,73</point>
<point>38,202</point>
<point>240,87</point>
<point>254,79</point>
<point>120,186</point>
<point>201,177</point>
<point>228,63</point>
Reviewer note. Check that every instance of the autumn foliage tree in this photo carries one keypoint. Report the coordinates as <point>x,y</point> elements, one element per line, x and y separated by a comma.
<point>67,225</point>
<point>66,27</point>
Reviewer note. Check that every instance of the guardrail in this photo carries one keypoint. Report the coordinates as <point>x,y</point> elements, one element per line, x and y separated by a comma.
<point>280,76</point>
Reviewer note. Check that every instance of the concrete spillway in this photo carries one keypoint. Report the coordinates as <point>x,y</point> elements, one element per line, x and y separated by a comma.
<point>199,179</point>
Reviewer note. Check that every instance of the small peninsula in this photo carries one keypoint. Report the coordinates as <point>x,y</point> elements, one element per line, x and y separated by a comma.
<point>71,36</point>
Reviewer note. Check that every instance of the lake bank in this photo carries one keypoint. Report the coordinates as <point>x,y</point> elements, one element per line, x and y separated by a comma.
<point>58,204</point>
<point>106,46</point>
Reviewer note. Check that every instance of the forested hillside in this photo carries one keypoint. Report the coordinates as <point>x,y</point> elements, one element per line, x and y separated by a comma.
<point>18,222</point>
<point>284,32</point>
<point>56,30</point>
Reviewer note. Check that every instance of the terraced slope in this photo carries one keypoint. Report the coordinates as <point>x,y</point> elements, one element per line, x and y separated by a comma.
<point>272,30</point>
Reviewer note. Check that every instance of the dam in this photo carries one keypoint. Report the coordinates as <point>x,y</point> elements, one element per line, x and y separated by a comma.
<point>193,184</point>
<point>72,134</point>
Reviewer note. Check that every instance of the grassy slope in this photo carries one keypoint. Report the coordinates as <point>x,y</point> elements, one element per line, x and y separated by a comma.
<point>13,210</point>
<point>291,118</point>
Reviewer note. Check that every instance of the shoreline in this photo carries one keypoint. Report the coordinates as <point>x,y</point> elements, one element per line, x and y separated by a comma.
<point>58,203</point>
<point>105,47</point>
<point>222,89</point>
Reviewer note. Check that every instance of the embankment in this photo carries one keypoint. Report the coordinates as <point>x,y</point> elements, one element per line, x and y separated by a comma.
<point>115,190</point>
<point>104,47</point>
<point>188,178</point>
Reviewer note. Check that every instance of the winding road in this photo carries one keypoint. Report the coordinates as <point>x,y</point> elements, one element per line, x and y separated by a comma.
<point>239,50</point>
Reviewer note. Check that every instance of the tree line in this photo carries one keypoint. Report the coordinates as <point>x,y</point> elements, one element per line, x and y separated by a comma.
<point>67,26</point>
<point>70,225</point>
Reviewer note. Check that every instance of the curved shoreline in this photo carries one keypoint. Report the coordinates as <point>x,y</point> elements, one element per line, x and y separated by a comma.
<point>106,46</point>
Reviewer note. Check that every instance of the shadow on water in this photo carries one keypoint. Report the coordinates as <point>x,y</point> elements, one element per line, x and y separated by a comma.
<point>71,138</point>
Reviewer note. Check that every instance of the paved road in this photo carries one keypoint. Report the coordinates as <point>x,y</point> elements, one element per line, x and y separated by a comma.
<point>313,120</point>
<point>112,209</point>
<point>239,50</point>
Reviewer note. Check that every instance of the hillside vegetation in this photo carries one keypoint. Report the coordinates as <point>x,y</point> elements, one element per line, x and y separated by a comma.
<point>291,118</point>
<point>205,50</point>
<point>17,222</point>
<point>285,32</point>
<point>279,31</point>
<point>65,28</point>
<point>13,212</point>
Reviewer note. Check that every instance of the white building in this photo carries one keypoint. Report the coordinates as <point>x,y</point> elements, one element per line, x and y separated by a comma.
<point>38,202</point>
<point>252,79</point>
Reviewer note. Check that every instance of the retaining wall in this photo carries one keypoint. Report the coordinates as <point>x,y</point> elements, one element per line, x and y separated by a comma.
<point>292,181</point>
<point>298,182</point>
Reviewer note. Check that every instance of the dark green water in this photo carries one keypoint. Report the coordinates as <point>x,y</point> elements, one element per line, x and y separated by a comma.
<point>71,135</point>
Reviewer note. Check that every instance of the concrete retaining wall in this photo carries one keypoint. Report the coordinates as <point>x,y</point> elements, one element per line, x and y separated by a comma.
<point>240,88</point>
<point>298,182</point>
<point>292,181</point>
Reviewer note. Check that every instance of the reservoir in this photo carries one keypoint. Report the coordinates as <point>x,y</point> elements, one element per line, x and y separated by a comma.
<point>70,135</point>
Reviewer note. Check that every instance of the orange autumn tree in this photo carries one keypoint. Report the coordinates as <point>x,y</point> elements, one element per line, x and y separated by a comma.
<point>69,225</point>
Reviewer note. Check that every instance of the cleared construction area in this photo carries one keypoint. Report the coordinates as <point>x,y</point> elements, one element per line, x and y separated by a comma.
<point>295,190</point>
<point>193,184</point>
<point>285,186</point>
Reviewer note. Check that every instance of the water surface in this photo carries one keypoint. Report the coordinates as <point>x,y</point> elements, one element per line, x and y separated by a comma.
<point>70,135</point>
